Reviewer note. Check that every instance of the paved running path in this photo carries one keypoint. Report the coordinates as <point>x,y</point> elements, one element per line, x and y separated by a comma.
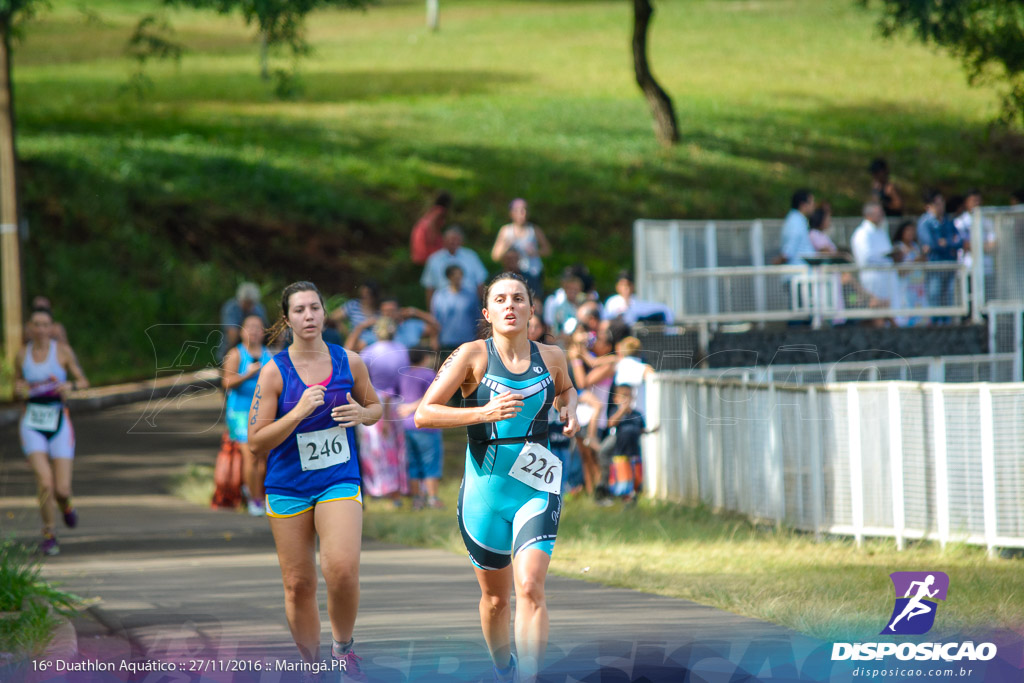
<point>182,582</point>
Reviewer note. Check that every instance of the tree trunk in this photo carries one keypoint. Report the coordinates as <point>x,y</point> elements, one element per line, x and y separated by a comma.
<point>433,14</point>
<point>264,57</point>
<point>9,246</point>
<point>661,104</point>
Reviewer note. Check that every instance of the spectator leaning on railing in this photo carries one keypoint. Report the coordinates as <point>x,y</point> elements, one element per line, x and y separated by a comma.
<point>796,241</point>
<point>943,242</point>
<point>872,249</point>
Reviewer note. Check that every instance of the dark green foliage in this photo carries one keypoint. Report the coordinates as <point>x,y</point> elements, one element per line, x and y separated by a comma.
<point>27,599</point>
<point>986,35</point>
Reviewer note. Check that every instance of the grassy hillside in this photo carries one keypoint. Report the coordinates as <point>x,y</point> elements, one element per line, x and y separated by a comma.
<point>146,212</point>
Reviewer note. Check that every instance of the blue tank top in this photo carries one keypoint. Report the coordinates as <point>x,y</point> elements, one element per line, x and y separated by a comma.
<point>285,475</point>
<point>240,398</point>
<point>531,424</point>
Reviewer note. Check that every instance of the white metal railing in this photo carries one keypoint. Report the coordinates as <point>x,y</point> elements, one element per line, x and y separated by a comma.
<point>934,461</point>
<point>743,287</point>
<point>819,293</point>
<point>995,367</point>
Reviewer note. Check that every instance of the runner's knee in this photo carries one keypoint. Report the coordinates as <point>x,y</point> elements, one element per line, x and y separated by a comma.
<point>530,589</point>
<point>495,603</point>
<point>340,574</point>
<point>299,587</point>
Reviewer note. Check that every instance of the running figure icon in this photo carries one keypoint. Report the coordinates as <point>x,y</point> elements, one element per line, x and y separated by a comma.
<point>916,606</point>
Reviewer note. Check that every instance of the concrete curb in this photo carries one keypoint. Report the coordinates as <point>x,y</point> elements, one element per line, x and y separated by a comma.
<point>92,400</point>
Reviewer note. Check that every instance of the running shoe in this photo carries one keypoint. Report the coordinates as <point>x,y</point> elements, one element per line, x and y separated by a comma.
<point>71,518</point>
<point>351,669</point>
<point>435,504</point>
<point>49,545</point>
<point>510,675</point>
<point>418,503</point>
<point>313,677</point>
<point>256,509</point>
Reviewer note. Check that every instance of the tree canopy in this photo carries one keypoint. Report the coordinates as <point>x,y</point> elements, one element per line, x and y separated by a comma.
<point>986,35</point>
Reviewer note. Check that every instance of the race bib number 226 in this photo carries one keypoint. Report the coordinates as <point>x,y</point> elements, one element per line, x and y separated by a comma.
<point>538,468</point>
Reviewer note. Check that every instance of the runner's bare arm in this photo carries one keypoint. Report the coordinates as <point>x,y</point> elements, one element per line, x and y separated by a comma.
<point>566,396</point>
<point>364,406</point>
<point>463,369</point>
<point>70,362</point>
<point>20,385</point>
<point>266,430</point>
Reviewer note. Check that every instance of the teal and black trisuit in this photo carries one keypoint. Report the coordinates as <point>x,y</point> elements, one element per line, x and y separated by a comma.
<point>500,515</point>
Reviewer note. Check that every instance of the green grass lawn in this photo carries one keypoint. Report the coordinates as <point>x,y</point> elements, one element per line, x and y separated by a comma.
<point>832,590</point>
<point>150,211</point>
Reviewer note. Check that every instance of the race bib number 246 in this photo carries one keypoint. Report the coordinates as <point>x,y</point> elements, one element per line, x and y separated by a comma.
<point>326,448</point>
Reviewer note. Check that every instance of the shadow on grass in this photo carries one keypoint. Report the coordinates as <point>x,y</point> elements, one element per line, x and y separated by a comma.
<point>193,86</point>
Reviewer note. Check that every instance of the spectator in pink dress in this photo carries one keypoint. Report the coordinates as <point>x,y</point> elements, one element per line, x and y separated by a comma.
<point>382,445</point>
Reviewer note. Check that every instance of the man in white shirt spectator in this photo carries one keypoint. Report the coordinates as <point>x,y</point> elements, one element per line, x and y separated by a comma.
<point>871,246</point>
<point>632,310</point>
<point>474,275</point>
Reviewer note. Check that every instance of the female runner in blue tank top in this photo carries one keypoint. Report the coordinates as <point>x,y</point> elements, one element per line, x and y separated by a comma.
<point>242,364</point>
<point>510,501</point>
<point>308,400</point>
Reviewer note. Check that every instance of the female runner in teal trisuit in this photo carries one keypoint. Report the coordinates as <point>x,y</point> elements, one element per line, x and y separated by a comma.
<point>510,501</point>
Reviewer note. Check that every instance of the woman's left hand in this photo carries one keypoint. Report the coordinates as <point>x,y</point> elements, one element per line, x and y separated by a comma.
<point>572,425</point>
<point>349,414</point>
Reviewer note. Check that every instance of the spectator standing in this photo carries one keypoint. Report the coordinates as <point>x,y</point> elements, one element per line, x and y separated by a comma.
<point>382,445</point>
<point>632,310</point>
<point>358,311</point>
<point>883,190</point>
<point>242,366</point>
<point>820,222</point>
<point>474,275</point>
<point>560,308</point>
<point>964,223</point>
<point>537,330</point>
<point>592,375</point>
<point>528,240</point>
<point>456,310</point>
<point>246,302</point>
<point>906,250</point>
<point>426,234</point>
<point>942,240</point>
<point>424,447</point>
<point>412,325</point>
<point>631,371</point>
<point>872,251</point>
<point>796,240</point>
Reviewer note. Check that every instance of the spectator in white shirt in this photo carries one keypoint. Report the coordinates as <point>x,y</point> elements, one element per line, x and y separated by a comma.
<point>872,249</point>
<point>630,308</point>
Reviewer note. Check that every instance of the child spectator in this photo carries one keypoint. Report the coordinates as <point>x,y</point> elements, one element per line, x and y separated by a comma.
<point>424,448</point>
<point>629,425</point>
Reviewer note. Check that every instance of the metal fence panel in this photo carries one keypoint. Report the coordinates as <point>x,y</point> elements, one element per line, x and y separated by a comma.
<point>899,459</point>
